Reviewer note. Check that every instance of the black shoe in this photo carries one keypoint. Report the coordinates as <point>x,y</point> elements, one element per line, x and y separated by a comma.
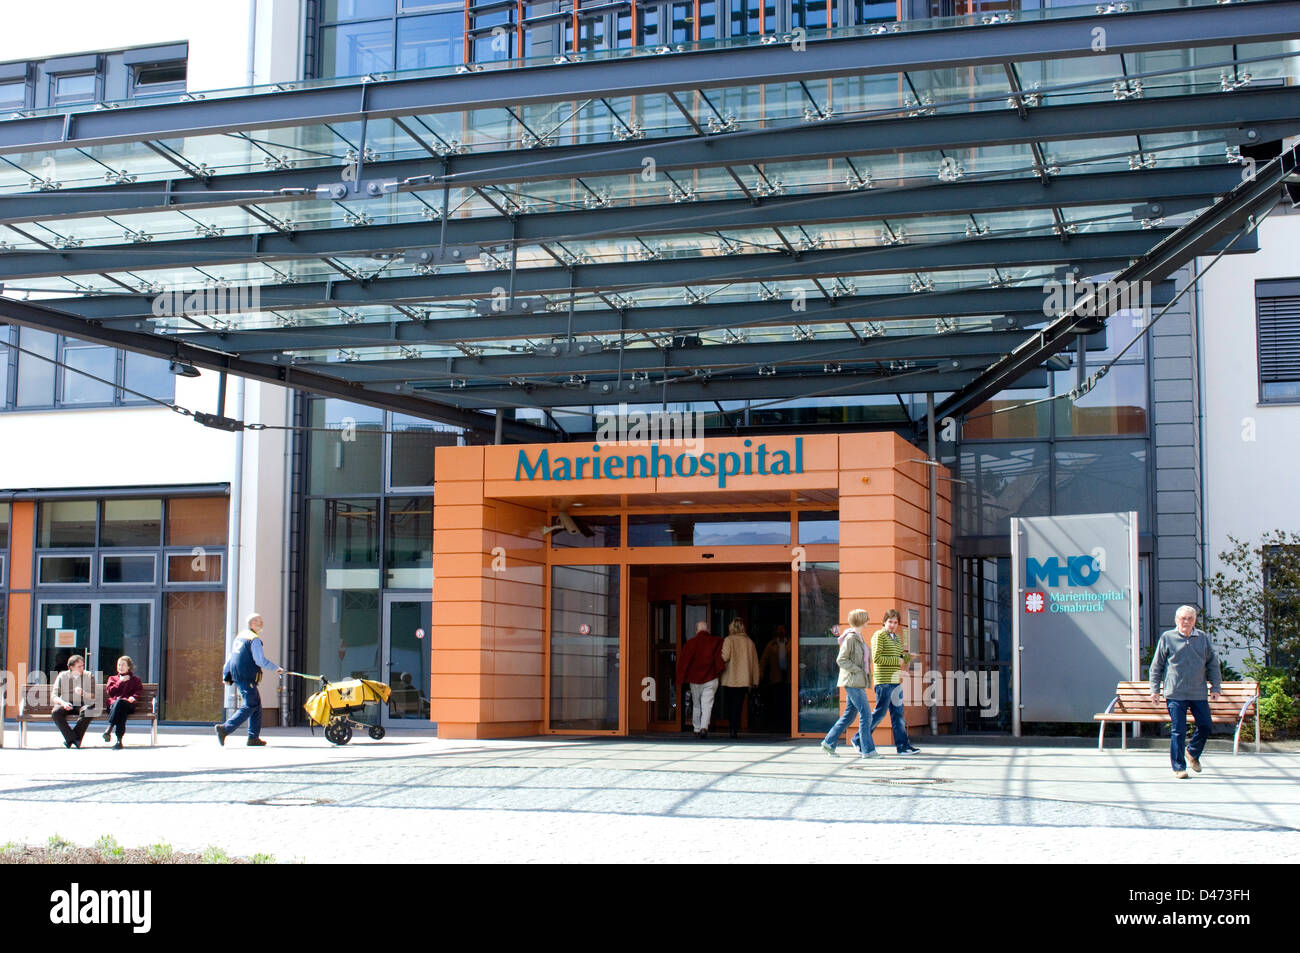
<point>256,743</point>
<point>67,744</point>
<point>118,746</point>
<point>704,733</point>
<point>910,749</point>
<point>108,733</point>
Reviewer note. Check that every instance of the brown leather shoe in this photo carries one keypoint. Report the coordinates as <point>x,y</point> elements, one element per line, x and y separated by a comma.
<point>256,742</point>
<point>1193,763</point>
<point>1180,774</point>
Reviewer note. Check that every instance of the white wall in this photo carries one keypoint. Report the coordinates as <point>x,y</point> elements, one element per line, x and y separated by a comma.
<point>1252,465</point>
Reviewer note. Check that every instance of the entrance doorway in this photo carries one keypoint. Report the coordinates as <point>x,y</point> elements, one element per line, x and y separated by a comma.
<point>405,664</point>
<point>667,603</point>
<point>100,630</point>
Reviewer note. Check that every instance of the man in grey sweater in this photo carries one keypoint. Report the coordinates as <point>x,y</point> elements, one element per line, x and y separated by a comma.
<point>1183,663</point>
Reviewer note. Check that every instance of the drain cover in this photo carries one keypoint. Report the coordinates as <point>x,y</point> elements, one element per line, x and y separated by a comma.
<point>290,801</point>
<point>910,780</point>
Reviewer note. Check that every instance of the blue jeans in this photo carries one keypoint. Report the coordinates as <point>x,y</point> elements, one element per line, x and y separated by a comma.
<point>1178,709</point>
<point>856,703</point>
<point>250,709</point>
<point>889,699</point>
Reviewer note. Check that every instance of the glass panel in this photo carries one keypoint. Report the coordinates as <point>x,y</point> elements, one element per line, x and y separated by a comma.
<point>1116,405</point>
<point>131,523</point>
<point>434,40</point>
<point>101,362</point>
<point>125,628</point>
<point>13,95</point>
<point>819,608</point>
<point>191,568</point>
<point>663,660</point>
<point>64,631</point>
<point>149,376</point>
<point>74,88</point>
<point>414,442</point>
<point>4,526</point>
<point>584,647</point>
<point>197,521</point>
<point>35,374</point>
<point>196,647</point>
<point>1009,414</point>
<point>5,351</point>
<point>711,529</point>
<point>351,460</point>
<point>408,659</point>
<point>1002,480</point>
<point>604,529</point>
<point>866,12</point>
<point>64,570</point>
<point>408,543</point>
<point>356,49</point>
<point>67,523</point>
<point>355,9</point>
<point>343,611</point>
<point>1102,476</point>
<point>708,20</point>
<point>986,634</point>
<point>819,526</point>
<point>128,570</point>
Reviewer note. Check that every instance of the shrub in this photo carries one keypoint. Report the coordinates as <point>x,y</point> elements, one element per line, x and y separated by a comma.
<point>109,847</point>
<point>263,859</point>
<point>57,842</point>
<point>159,853</point>
<point>215,855</point>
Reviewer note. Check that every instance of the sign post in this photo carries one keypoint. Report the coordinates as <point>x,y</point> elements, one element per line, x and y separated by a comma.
<point>1075,622</point>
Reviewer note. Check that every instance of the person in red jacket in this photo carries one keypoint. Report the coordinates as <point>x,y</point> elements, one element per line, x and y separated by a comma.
<point>120,694</point>
<point>699,664</point>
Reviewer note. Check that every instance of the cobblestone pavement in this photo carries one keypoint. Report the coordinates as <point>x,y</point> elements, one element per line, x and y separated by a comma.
<point>412,797</point>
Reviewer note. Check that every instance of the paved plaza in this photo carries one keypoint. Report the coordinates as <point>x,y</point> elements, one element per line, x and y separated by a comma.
<point>414,798</point>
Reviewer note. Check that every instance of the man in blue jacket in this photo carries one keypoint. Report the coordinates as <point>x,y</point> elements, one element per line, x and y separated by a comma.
<point>244,670</point>
<point>1185,659</point>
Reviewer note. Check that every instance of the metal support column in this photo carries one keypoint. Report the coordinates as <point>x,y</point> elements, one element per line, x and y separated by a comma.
<point>933,455</point>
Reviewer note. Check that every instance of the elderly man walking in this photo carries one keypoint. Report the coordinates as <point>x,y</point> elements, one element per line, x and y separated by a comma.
<point>1183,663</point>
<point>243,669</point>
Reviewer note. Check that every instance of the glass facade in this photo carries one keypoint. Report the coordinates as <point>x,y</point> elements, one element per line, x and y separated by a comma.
<point>366,575</point>
<point>92,375</point>
<point>140,577</point>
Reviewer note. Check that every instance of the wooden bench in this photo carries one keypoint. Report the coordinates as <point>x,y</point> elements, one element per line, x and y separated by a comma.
<point>34,705</point>
<point>1132,702</point>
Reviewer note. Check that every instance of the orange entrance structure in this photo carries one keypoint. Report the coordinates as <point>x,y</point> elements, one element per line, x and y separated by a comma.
<point>530,637</point>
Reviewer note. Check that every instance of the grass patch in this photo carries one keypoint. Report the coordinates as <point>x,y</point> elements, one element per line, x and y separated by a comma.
<point>215,855</point>
<point>160,853</point>
<point>263,859</point>
<point>58,842</point>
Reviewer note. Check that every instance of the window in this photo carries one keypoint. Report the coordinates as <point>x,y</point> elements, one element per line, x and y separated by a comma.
<point>864,11</point>
<point>1277,328</point>
<point>131,523</point>
<point>67,524</point>
<point>13,95</point>
<point>71,89</point>
<point>153,79</point>
<point>433,40</point>
<point>91,375</point>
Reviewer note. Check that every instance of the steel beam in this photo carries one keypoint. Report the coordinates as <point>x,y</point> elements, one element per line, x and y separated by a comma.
<point>1096,252</point>
<point>963,349</point>
<point>27,314</point>
<point>1272,112</point>
<point>1177,189</point>
<point>778,386</point>
<point>1022,305</point>
<point>630,75</point>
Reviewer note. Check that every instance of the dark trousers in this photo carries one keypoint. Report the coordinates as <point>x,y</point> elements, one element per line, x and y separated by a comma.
<point>735,701</point>
<point>250,709</point>
<point>1178,743</point>
<point>117,715</point>
<point>72,736</point>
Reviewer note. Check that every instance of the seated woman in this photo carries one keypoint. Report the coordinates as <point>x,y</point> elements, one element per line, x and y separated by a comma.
<point>120,694</point>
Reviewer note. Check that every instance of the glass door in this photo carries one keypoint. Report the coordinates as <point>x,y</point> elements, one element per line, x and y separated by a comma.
<point>665,710</point>
<point>100,630</point>
<point>407,627</point>
<point>584,690</point>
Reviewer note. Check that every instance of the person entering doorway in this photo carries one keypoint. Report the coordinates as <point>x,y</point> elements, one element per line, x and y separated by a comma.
<point>741,673</point>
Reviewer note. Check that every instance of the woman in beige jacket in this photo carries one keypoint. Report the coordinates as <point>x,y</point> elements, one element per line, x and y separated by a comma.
<point>741,673</point>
